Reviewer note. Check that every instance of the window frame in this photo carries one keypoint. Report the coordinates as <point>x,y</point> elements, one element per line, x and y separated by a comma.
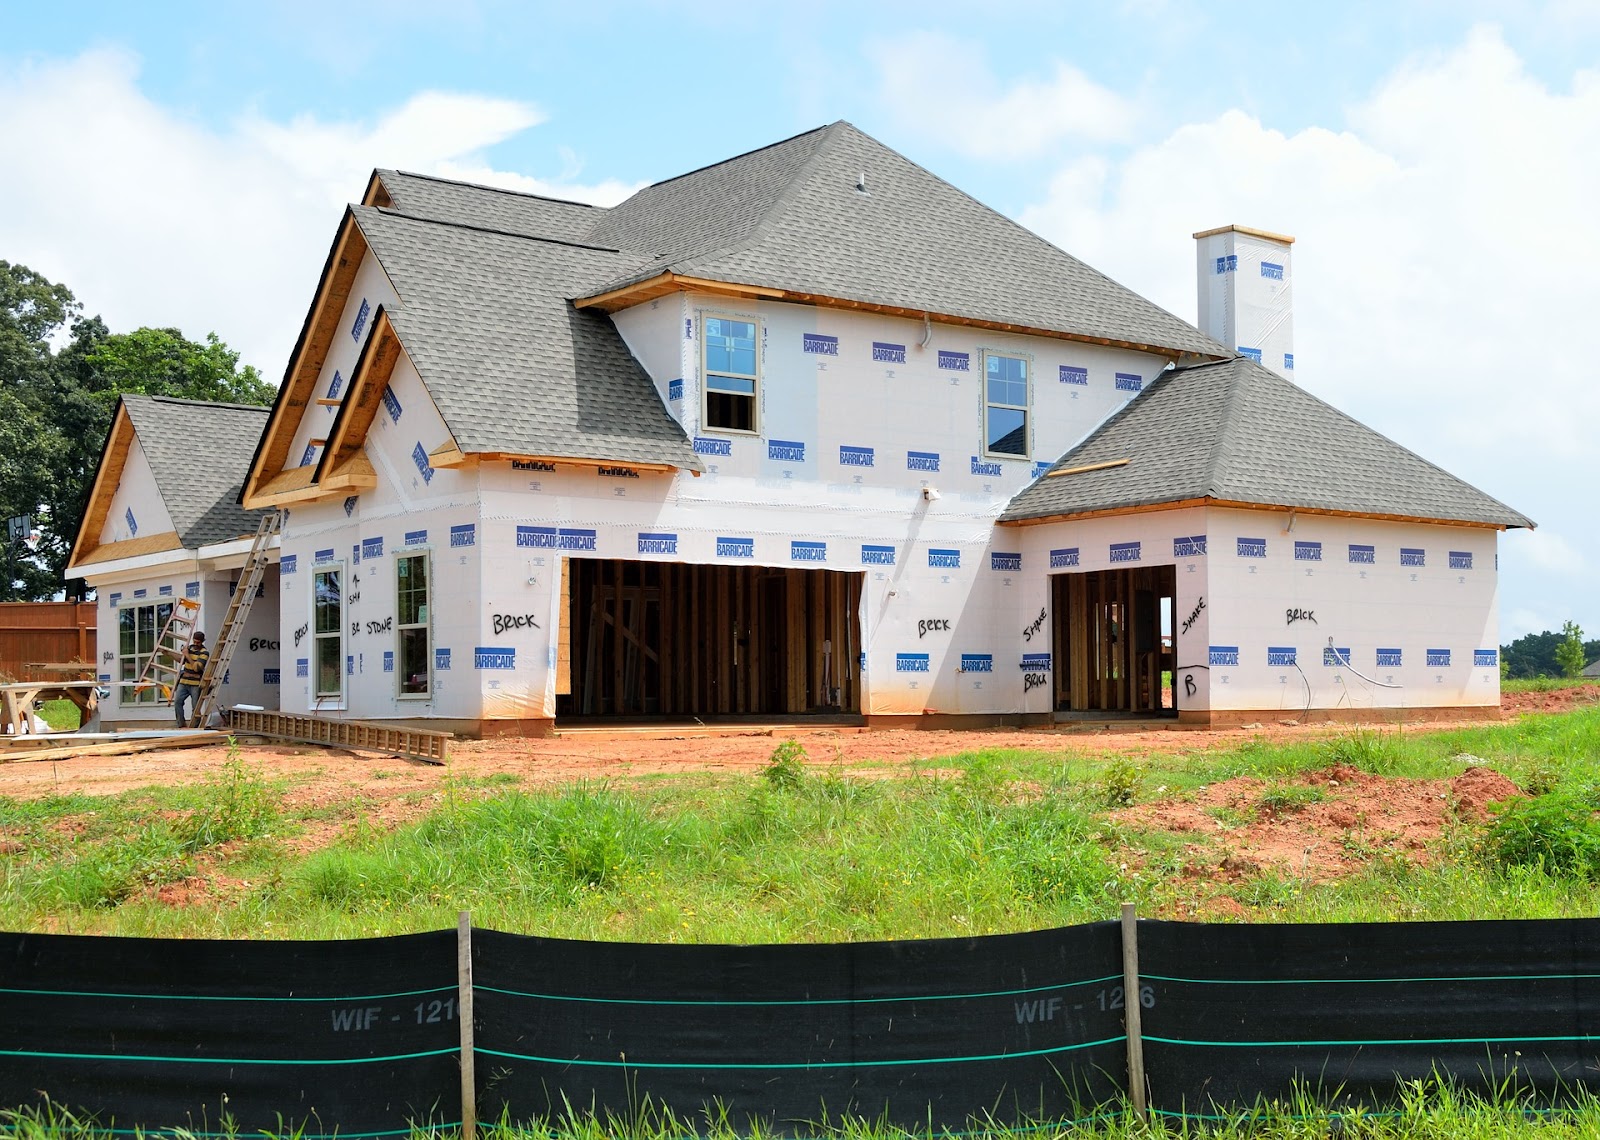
<point>1026,407</point>
<point>426,624</point>
<point>130,665</point>
<point>706,372</point>
<point>321,700</point>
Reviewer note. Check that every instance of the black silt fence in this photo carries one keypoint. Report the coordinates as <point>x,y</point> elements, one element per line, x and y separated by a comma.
<point>1346,1011</point>
<point>363,1037</point>
<point>165,1033</point>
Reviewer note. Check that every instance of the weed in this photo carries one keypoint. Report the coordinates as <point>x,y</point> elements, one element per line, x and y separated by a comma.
<point>1120,783</point>
<point>1285,799</point>
<point>237,804</point>
<point>1369,751</point>
<point>786,766</point>
<point>1556,832</point>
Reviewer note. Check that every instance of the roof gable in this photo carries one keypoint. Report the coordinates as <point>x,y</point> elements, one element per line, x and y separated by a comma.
<point>1235,432</point>
<point>510,364</point>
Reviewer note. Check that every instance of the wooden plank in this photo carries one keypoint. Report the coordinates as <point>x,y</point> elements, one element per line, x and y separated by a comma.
<point>116,748</point>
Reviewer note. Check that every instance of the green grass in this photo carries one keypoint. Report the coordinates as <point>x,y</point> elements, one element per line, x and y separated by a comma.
<point>1549,685</point>
<point>804,852</point>
<point>61,715</point>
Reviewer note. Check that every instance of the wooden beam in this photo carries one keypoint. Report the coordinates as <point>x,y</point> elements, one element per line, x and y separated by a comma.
<point>305,363</point>
<point>1235,504</point>
<point>107,477</point>
<point>116,748</point>
<point>133,548</point>
<point>1088,467</point>
<point>368,379</point>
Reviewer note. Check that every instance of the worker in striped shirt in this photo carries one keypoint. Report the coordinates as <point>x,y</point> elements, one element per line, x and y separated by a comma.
<point>190,674</point>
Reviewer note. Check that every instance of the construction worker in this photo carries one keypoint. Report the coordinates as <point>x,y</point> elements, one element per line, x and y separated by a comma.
<point>190,673</point>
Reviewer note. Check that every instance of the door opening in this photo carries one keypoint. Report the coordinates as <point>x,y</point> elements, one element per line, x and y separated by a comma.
<point>1113,640</point>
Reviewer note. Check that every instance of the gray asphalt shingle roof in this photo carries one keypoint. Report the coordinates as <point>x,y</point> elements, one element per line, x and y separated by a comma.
<point>199,453</point>
<point>1238,432</point>
<point>790,216</point>
<point>508,361</point>
<point>487,207</point>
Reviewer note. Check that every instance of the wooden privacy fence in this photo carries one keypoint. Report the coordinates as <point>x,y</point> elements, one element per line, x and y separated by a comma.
<point>45,631</point>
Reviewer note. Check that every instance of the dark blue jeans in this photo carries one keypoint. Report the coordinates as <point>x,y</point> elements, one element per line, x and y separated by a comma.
<point>181,696</point>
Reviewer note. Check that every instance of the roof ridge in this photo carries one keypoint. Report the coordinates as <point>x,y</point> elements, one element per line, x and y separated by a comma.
<point>745,154</point>
<point>487,186</point>
<point>1226,432</point>
<point>390,211</point>
<point>196,403</point>
<point>781,202</point>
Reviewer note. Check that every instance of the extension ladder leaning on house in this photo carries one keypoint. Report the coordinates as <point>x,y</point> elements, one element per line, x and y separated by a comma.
<point>244,596</point>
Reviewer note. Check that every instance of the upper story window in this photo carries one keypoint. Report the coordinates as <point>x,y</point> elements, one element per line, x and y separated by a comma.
<point>1005,415</point>
<point>732,376</point>
<point>412,627</point>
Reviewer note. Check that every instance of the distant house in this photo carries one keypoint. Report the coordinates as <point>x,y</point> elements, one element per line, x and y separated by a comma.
<point>1592,669</point>
<point>163,522</point>
<point>810,432</point>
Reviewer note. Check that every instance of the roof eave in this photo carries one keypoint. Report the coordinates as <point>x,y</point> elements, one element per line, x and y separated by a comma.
<point>1145,505</point>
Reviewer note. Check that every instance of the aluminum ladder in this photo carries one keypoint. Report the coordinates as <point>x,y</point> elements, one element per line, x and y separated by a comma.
<point>161,668</point>
<point>244,596</point>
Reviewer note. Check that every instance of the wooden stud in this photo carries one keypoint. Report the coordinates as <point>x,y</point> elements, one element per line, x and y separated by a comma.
<point>469,1078</point>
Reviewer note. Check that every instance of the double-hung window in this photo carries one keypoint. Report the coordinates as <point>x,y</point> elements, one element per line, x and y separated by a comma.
<point>732,374</point>
<point>327,633</point>
<point>1005,414</point>
<point>137,630</point>
<point>411,626</point>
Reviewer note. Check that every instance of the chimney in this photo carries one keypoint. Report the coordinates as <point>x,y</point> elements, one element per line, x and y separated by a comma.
<point>1246,280</point>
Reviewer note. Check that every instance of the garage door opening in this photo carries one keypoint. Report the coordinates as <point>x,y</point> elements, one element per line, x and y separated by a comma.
<point>1113,640</point>
<point>668,640</point>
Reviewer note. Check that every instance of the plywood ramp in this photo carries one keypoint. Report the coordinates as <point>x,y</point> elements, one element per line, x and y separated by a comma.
<point>664,639</point>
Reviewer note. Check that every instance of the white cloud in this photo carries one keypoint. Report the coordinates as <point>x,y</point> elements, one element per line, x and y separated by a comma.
<point>152,219</point>
<point>940,86</point>
<point>1445,268</point>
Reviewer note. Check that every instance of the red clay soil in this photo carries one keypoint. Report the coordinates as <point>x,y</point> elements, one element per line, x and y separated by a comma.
<point>1345,816</point>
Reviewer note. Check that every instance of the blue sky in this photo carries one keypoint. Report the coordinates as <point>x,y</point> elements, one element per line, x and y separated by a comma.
<point>185,164</point>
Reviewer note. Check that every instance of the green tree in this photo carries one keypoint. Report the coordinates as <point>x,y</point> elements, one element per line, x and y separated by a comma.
<point>55,410</point>
<point>1569,653</point>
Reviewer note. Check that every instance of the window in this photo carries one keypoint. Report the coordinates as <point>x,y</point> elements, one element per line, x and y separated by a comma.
<point>328,634</point>
<point>1005,418</point>
<point>411,595</point>
<point>731,377</point>
<point>137,630</point>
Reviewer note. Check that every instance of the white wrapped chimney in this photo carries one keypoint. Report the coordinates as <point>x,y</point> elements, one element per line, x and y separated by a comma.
<point>1246,278</point>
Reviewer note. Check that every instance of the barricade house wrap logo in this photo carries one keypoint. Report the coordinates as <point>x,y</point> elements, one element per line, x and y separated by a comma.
<point>1125,552</point>
<point>133,523</point>
<point>977,663</point>
<point>1007,562</point>
<point>372,547</point>
<point>568,538</point>
<point>1251,353</point>
<point>1129,382</point>
<point>494,657</point>
<point>191,589</point>
<point>675,389</point>
<point>911,663</point>
<point>391,404</point>
<point>441,660</point>
<point>1066,556</point>
<point>944,559</point>
<point>334,386</point>
<point>388,661</point>
<point>1223,655</point>
<point>420,458</point>
<point>1336,656</point>
<point>786,450</point>
<point>537,537</point>
<point>288,564</point>
<point>922,461</point>
<point>322,556</point>
<point>1461,560</point>
<point>1252,548</point>
<point>1307,551</point>
<point>1280,655</point>
<point>736,547</point>
<point>1272,271</point>
<point>1438,659</point>
<point>1364,555</point>
<point>1036,662</point>
<point>979,467</point>
<point>465,534</point>
<point>888,353</point>
<point>653,542</point>
<point>1189,547</point>
<point>819,344</point>
<point>416,537</point>
<point>1412,556</point>
<point>302,666</point>
<point>1389,658</point>
<point>955,361</point>
<point>855,456</point>
<point>360,325</point>
<point>1485,658</point>
<point>707,446</point>
<point>877,555</point>
<point>808,551</point>
<point>1073,374</point>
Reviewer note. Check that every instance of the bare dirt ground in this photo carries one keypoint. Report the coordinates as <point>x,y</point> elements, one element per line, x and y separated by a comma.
<point>1349,814</point>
